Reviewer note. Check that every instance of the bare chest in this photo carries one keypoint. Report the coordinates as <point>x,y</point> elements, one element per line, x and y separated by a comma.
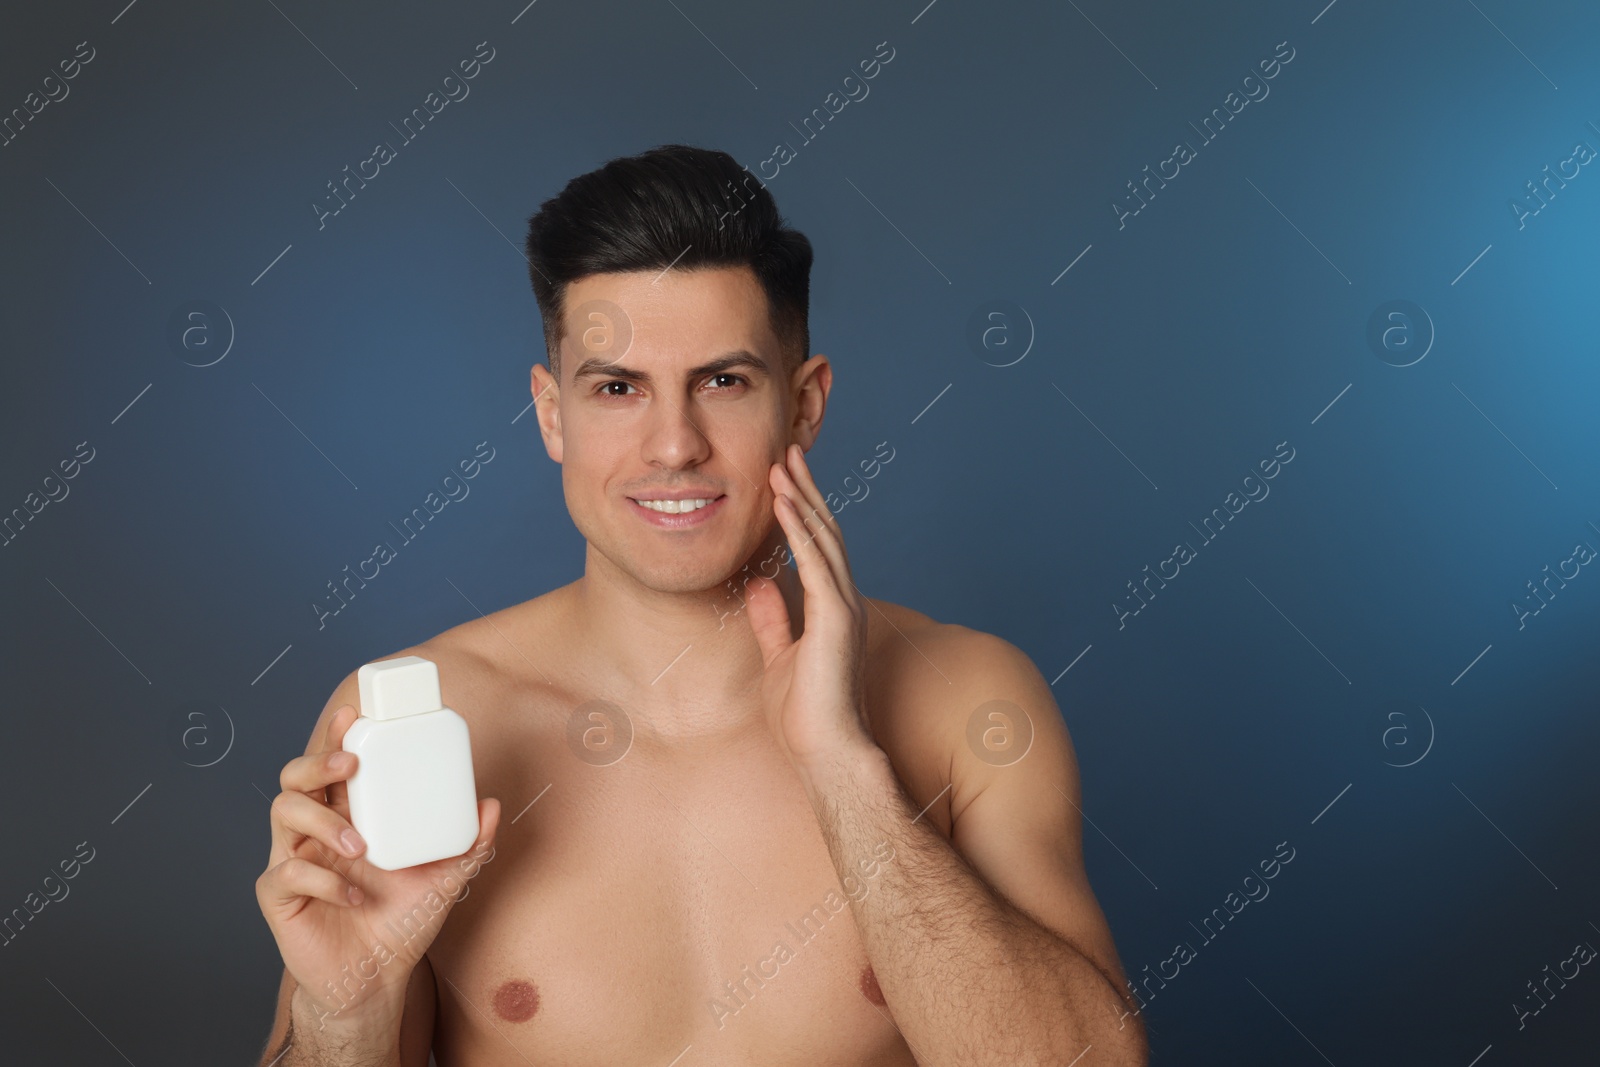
<point>651,912</point>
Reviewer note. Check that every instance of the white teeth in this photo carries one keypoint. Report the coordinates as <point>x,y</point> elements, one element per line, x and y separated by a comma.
<point>673,507</point>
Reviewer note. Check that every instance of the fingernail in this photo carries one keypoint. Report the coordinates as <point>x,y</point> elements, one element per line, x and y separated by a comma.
<point>350,841</point>
<point>341,760</point>
<point>354,893</point>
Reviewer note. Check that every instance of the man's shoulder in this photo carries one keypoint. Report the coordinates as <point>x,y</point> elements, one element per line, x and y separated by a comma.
<point>502,647</point>
<point>899,633</point>
<point>930,669</point>
<point>937,692</point>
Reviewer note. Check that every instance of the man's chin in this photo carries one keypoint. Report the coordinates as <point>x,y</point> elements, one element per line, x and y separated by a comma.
<point>701,578</point>
<point>713,570</point>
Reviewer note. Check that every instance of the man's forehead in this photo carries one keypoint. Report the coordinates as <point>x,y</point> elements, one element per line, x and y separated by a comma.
<point>661,320</point>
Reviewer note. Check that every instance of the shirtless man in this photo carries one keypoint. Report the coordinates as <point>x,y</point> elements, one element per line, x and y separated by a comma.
<point>752,819</point>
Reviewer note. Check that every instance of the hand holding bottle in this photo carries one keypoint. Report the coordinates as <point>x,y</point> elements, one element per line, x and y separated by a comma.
<point>350,932</point>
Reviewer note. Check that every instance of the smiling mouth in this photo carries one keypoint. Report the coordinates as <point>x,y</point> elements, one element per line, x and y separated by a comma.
<point>677,507</point>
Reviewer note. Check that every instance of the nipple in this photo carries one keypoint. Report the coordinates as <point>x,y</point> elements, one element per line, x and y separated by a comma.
<point>516,1000</point>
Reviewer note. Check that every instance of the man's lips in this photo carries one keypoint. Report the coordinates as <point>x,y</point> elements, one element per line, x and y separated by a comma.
<point>675,519</point>
<point>679,494</point>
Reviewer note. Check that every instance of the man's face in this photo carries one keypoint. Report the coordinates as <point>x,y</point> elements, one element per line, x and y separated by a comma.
<point>673,388</point>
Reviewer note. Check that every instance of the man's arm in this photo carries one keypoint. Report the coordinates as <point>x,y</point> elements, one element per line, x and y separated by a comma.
<point>991,948</point>
<point>301,1037</point>
<point>297,1040</point>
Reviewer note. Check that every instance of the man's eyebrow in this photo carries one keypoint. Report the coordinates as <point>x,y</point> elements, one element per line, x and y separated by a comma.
<point>593,367</point>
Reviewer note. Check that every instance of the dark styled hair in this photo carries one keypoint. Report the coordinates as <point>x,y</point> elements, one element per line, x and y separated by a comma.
<point>674,205</point>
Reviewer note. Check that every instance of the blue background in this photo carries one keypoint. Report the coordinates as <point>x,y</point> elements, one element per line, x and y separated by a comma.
<point>1355,619</point>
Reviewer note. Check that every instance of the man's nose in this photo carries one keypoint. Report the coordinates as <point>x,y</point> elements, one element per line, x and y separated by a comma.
<point>674,436</point>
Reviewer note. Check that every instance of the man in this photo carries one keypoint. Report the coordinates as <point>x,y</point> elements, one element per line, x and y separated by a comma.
<point>759,817</point>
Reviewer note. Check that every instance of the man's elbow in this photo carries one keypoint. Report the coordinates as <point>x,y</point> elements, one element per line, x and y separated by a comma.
<point>1131,1045</point>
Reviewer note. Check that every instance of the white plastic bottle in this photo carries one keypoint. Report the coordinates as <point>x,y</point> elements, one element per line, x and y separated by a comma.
<point>412,797</point>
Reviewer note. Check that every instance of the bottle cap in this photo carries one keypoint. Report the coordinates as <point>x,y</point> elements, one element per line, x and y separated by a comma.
<point>394,688</point>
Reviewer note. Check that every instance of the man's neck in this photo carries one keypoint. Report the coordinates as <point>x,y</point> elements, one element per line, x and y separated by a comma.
<point>691,652</point>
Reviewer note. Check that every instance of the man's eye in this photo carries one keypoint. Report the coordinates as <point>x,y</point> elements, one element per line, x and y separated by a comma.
<point>730,377</point>
<point>605,389</point>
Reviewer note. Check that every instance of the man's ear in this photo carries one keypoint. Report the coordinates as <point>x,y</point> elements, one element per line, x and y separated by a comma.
<point>547,408</point>
<point>811,383</point>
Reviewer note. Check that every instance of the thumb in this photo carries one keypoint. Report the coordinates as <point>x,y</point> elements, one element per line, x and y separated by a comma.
<point>488,825</point>
<point>769,618</point>
<point>466,866</point>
